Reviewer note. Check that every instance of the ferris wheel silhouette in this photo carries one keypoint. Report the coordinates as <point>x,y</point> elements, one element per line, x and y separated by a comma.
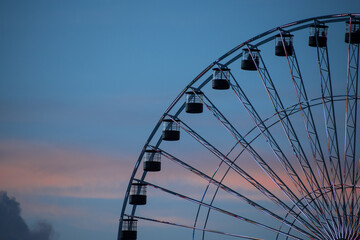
<point>264,142</point>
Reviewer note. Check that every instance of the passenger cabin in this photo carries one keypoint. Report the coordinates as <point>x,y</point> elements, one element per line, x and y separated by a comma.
<point>193,102</point>
<point>137,194</point>
<point>250,63</point>
<point>152,161</point>
<point>129,229</point>
<point>352,34</point>
<point>288,42</point>
<point>221,77</point>
<point>318,35</point>
<point>171,130</point>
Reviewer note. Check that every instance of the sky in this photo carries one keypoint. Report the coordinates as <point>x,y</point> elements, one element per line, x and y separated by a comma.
<point>83,83</point>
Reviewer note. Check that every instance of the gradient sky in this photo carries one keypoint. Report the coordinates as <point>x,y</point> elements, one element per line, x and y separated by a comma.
<point>82,84</point>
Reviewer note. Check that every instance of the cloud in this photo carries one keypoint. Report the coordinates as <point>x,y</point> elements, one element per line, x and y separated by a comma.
<point>13,226</point>
<point>49,170</point>
<point>90,185</point>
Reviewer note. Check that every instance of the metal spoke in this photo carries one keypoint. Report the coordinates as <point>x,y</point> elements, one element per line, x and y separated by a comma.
<point>330,121</point>
<point>350,168</point>
<point>190,227</point>
<point>257,158</point>
<point>233,192</point>
<point>269,138</point>
<point>311,131</point>
<point>242,172</point>
<point>216,209</point>
<point>208,185</point>
<point>289,132</point>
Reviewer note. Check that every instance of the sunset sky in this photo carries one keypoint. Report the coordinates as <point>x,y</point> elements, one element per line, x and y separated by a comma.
<point>83,83</point>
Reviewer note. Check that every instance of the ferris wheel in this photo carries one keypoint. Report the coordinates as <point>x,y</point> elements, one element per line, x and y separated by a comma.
<point>262,144</point>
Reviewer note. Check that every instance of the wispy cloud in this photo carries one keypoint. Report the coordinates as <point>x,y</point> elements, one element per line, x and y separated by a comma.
<point>45,169</point>
<point>49,170</point>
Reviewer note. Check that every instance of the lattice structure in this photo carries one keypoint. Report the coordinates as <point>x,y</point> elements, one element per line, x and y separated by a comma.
<point>254,143</point>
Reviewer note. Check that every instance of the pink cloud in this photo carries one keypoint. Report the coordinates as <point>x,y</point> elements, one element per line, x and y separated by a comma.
<point>45,169</point>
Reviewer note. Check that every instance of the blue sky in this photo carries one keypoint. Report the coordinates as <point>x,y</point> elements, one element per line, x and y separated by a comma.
<point>82,84</point>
